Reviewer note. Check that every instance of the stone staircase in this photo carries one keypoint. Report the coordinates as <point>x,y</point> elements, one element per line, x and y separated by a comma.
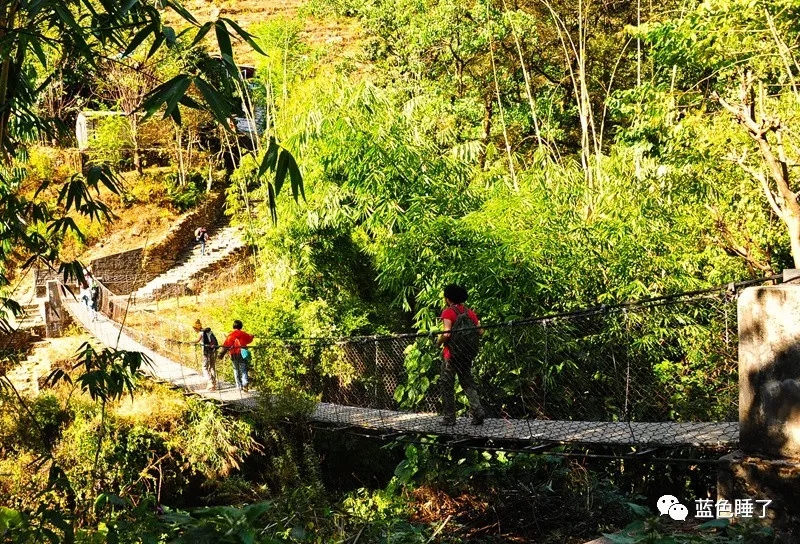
<point>31,323</point>
<point>28,333</point>
<point>190,264</point>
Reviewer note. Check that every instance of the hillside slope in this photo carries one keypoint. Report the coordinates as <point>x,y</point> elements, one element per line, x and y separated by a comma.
<point>341,34</point>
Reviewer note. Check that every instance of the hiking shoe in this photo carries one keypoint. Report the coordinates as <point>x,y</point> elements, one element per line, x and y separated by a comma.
<point>449,420</point>
<point>477,419</point>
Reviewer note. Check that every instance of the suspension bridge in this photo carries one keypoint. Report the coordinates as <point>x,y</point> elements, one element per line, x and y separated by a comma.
<point>660,372</point>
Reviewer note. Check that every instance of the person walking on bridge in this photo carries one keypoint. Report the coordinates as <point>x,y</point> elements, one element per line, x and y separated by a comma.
<point>90,293</point>
<point>236,344</point>
<point>207,339</point>
<point>460,341</point>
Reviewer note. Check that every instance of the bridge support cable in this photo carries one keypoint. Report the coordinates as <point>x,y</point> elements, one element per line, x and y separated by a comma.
<point>654,373</point>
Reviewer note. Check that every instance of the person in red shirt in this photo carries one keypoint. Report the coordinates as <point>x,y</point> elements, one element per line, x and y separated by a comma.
<point>452,363</point>
<point>235,342</point>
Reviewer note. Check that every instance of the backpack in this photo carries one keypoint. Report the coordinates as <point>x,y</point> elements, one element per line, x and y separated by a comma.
<point>94,292</point>
<point>209,340</point>
<point>464,338</point>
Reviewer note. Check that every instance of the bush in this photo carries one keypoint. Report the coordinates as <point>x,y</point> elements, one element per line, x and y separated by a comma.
<point>112,141</point>
<point>18,432</point>
<point>187,195</point>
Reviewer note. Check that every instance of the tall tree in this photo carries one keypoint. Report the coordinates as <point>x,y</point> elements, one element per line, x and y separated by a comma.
<point>732,64</point>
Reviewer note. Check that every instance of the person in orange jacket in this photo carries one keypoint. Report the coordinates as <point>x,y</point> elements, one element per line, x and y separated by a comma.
<point>235,344</point>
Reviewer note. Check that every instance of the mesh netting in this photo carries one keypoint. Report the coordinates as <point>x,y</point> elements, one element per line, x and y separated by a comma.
<point>656,372</point>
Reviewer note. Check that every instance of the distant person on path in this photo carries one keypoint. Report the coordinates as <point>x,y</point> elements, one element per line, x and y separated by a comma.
<point>201,235</point>
<point>85,294</point>
<point>460,338</point>
<point>90,293</point>
<point>207,339</point>
<point>235,344</point>
<point>94,293</point>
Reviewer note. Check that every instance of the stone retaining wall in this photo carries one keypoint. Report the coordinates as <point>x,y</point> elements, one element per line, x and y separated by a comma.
<point>125,272</point>
<point>121,272</point>
<point>162,256</point>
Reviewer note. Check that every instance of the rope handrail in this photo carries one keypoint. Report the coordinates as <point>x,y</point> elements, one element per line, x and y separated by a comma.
<point>729,288</point>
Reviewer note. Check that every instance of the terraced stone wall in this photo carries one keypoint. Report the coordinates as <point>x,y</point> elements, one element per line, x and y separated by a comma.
<point>122,272</point>
<point>161,256</point>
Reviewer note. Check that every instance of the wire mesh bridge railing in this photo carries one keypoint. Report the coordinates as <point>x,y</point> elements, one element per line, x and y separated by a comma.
<point>657,371</point>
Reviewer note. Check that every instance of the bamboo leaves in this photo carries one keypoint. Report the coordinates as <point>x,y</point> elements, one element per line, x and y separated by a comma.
<point>281,162</point>
<point>106,375</point>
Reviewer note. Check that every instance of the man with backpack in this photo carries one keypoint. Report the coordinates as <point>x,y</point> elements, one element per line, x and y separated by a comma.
<point>208,341</point>
<point>460,339</point>
<point>236,344</point>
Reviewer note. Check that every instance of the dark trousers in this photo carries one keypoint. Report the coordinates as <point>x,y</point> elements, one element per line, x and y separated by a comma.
<point>447,382</point>
<point>210,365</point>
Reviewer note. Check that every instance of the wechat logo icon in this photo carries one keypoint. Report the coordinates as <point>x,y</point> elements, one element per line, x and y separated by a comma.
<point>671,506</point>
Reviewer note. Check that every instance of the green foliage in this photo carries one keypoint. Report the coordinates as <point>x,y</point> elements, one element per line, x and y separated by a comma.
<point>718,531</point>
<point>705,52</point>
<point>212,443</point>
<point>35,429</point>
<point>9,520</point>
<point>562,497</point>
<point>224,524</point>
<point>105,375</point>
<point>422,368</point>
<point>149,447</point>
<point>185,196</point>
<point>322,8</point>
<point>112,141</point>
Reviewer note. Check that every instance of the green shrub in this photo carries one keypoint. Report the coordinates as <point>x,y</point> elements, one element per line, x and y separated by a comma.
<point>36,429</point>
<point>187,195</point>
<point>112,141</point>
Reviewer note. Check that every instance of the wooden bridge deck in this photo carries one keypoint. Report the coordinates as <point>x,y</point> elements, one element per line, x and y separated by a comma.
<point>521,430</point>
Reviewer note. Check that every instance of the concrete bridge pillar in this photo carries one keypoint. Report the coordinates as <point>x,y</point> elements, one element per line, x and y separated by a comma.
<point>767,466</point>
